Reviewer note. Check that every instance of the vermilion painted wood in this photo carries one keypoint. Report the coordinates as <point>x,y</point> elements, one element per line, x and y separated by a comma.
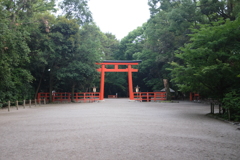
<point>194,96</point>
<point>66,96</point>
<point>93,96</point>
<point>121,64</point>
<point>150,96</point>
<point>117,70</point>
<point>130,84</point>
<point>116,64</point>
<point>102,82</point>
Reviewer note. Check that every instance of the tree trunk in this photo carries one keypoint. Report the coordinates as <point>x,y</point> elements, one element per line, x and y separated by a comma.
<point>50,87</point>
<point>72,94</point>
<point>39,84</point>
<point>167,90</point>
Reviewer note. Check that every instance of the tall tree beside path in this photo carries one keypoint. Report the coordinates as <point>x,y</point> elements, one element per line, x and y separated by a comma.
<point>16,22</point>
<point>64,43</point>
<point>78,72</point>
<point>211,61</point>
<point>164,33</point>
<point>41,48</point>
<point>76,9</point>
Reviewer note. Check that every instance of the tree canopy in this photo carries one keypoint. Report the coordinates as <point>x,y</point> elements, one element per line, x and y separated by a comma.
<point>42,52</point>
<point>211,60</point>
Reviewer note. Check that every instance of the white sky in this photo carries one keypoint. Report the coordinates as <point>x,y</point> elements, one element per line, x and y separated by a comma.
<point>119,17</point>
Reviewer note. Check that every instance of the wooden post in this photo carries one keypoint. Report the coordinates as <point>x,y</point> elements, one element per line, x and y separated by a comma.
<point>130,82</point>
<point>167,90</point>
<point>212,108</point>
<point>69,98</point>
<point>229,115</point>
<point>102,82</point>
<point>24,103</point>
<point>92,97</point>
<point>84,98</point>
<point>44,101</point>
<point>35,102</point>
<point>191,97</point>
<point>219,109</point>
<point>30,101</point>
<point>17,104</point>
<point>8,106</point>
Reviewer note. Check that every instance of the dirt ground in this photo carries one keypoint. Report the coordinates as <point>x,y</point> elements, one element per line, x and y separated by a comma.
<point>116,129</point>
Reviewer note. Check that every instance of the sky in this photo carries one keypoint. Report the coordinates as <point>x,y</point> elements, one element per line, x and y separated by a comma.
<point>119,17</point>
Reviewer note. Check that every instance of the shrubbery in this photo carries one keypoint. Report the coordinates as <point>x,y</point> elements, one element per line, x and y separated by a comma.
<point>231,102</point>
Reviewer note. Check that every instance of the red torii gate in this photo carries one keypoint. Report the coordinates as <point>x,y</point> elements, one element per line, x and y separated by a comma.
<point>116,64</point>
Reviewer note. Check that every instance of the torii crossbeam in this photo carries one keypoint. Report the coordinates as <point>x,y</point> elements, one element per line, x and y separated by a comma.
<point>116,64</point>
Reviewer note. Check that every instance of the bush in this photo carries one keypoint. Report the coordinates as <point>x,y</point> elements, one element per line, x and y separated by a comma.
<point>231,102</point>
<point>3,104</point>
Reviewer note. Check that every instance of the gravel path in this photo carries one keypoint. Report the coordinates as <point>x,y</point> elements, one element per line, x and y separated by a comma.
<point>116,130</point>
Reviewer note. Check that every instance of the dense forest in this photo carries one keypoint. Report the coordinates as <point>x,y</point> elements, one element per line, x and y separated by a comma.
<point>194,44</point>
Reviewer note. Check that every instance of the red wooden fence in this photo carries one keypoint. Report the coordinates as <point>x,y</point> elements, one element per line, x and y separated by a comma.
<point>149,96</point>
<point>66,96</point>
<point>94,96</point>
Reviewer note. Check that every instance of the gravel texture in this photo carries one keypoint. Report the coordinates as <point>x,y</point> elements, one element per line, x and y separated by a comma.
<point>116,129</point>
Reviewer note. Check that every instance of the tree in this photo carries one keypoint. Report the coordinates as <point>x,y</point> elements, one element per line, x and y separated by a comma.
<point>210,60</point>
<point>129,47</point>
<point>231,103</point>
<point>215,9</point>
<point>51,52</point>
<point>131,44</point>
<point>166,31</point>
<point>17,19</point>
<point>80,72</point>
<point>110,46</point>
<point>41,47</point>
<point>76,9</point>
<point>63,42</point>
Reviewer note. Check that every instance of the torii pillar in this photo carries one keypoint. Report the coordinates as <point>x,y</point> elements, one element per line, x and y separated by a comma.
<point>116,64</point>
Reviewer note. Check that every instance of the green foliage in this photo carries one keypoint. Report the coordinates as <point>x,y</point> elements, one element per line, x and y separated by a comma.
<point>109,46</point>
<point>231,102</point>
<point>36,46</point>
<point>80,70</point>
<point>76,9</point>
<point>166,32</point>
<point>14,35</point>
<point>215,9</point>
<point>131,44</point>
<point>116,83</point>
<point>210,60</point>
